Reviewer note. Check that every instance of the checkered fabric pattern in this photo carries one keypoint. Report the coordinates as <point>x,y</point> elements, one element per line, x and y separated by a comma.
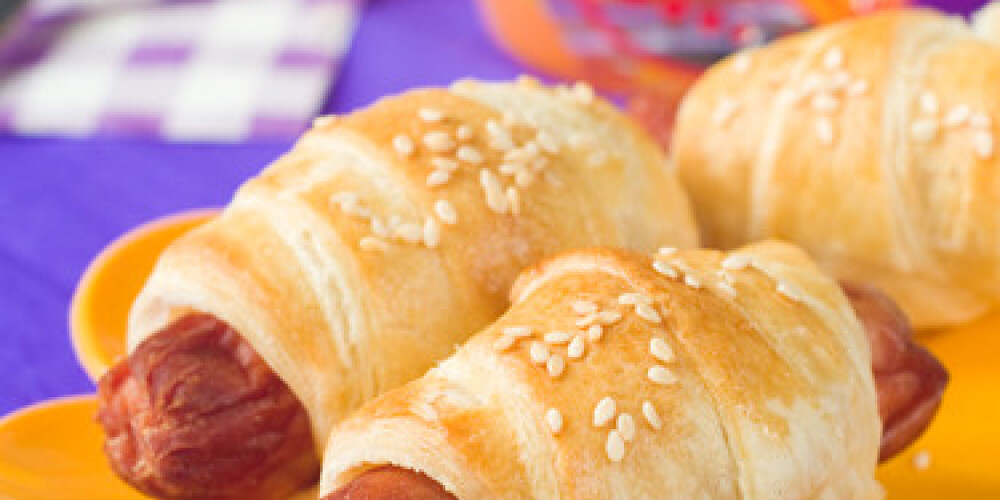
<point>196,70</point>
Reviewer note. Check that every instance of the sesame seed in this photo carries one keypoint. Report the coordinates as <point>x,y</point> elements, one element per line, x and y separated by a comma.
<point>583,92</point>
<point>438,178</point>
<point>653,418</point>
<point>430,115</point>
<point>724,111</point>
<point>546,142</point>
<point>554,419</point>
<point>632,298</point>
<point>446,212</point>
<point>681,265</point>
<point>513,200</point>
<point>957,115</point>
<point>495,198</point>
<point>523,154</point>
<point>824,130</point>
<point>595,332</point>
<point>517,331</point>
<point>356,209</point>
<point>665,269</point>
<point>647,312</point>
<point>350,203</point>
<point>811,82</point>
<point>432,232</point>
<point>394,221</point>
<point>597,158</point>
<point>924,129</point>
<point>791,291</point>
<point>469,154</point>
<point>736,261</point>
<point>583,307</point>
<point>604,411</point>
<point>727,287</point>
<point>539,163</point>
<point>446,164</point>
<point>409,232</point>
<point>555,365</point>
<point>523,178</point>
<point>928,102</point>
<point>609,317</point>
<point>500,138</point>
<point>922,460</point>
<point>575,348</point>
<point>463,132</point>
<point>403,144</point>
<point>667,251</point>
<point>790,96</point>
<point>586,320</point>
<point>982,141</point>
<point>661,350</point>
<point>741,63</point>
<point>538,352</point>
<point>504,342</point>
<point>661,375</point>
<point>692,281</point>
<point>833,58</point>
<point>372,243</point>
<point>379,227</point>
<point>509,168</point>
<point>557,337</point>
<point>615,447</point>
<point>626,426</point>
<point>824,102</point>
<point>857,88</point>
<point>438,142</point>
<point>980,119</point>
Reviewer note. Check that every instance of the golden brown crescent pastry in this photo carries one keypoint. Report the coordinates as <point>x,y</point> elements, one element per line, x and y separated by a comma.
<point>355,262</point>
<point>871,143</point>
<point>692,374</point>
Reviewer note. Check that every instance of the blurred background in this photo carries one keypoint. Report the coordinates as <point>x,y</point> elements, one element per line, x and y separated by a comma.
<point>116,112</point>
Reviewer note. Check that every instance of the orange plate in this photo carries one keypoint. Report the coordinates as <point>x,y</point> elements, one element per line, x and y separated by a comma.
<point>53,449</point>
<point>98,313</point>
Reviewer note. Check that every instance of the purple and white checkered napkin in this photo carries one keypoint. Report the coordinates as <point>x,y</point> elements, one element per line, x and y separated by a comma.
<point>195,70</point>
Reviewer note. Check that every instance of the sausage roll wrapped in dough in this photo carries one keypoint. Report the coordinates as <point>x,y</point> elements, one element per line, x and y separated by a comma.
<point>692,374</point>
<point>354,263</point>
<point>870,142</point>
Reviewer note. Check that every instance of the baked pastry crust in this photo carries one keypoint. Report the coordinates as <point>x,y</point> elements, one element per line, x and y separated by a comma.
<point>743,376</point>
<point>389,235</point>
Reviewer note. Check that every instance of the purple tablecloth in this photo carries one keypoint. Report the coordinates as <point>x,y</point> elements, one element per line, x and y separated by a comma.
<point>62,200</point>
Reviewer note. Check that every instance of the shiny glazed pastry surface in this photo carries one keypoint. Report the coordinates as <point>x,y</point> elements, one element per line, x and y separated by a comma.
<point>614,375</point>
<point>871,143</point>
<point>382,240</point>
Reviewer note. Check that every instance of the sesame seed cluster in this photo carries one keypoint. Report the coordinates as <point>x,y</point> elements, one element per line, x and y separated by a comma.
<point>827,89</point>
<point>553,350</point>
<point>933,121</point>
<point>525,153</point>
